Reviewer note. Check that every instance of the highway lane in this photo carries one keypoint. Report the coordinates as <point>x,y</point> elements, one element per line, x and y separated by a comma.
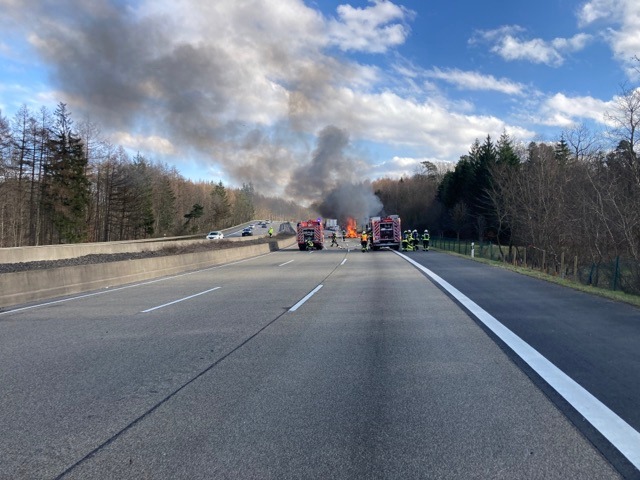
<point>258,231</point>
<point>212,375</point>
<point>591,339</point>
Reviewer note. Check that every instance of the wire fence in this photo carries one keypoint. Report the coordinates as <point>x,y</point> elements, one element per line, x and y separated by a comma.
<point>617,273</point>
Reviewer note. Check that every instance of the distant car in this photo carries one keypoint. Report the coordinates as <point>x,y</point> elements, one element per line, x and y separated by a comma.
<point>247,232</point>
<point>215,235</point>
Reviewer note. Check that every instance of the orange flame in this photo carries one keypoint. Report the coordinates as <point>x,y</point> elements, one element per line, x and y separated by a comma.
<point>351,228</point>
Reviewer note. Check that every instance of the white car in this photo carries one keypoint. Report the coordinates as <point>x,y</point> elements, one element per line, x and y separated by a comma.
<point>216,235</point>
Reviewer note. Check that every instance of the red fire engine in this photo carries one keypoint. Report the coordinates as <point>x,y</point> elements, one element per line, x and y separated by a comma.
<point>385,232</point>
<point>310,230</point>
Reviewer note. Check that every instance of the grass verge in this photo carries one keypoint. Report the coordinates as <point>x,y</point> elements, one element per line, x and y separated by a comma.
<point>616,295</point>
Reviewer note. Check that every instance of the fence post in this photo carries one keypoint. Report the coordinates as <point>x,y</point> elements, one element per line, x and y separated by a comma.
<point>615,273</point>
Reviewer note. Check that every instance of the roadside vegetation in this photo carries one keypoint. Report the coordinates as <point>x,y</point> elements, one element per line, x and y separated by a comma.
<point>614,295</point>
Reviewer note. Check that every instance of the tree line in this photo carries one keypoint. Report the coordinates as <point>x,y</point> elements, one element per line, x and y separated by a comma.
<point>62,184</point>
<point>571,197</point>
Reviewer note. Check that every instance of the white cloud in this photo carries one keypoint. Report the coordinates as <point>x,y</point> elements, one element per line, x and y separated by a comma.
<point>387,118</point>
<point>574,44</point>
<point>373,29</point>
<point>536,51</point>
<point>149,144</point>
<point>595,10</point>
<point>624,35</point>
<point>562,111</point>
<point>476,81</point>
<point>398,167</point>
<point>508,43</point>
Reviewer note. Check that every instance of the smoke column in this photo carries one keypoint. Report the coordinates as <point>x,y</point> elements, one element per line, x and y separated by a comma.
<point>330,179</point>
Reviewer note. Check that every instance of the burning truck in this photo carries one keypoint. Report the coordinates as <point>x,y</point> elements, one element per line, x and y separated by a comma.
<point>385,232</point>
<point>310,230</point>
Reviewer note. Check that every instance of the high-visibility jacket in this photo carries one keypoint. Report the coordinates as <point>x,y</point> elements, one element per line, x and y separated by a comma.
<point>364,237</point>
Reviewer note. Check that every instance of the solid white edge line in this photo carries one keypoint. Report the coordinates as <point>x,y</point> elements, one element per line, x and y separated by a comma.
<point>307,297</point>
<point>285,263</point>
<point>621,435</point>
<point>179,300</point>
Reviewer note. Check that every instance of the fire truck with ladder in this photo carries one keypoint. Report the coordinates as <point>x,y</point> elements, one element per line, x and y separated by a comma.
<point>385,232</point>
<point>310,230</point>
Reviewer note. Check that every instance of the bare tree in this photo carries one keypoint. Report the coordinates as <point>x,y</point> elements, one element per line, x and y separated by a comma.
<point>625,120</point>
<point>582,142</point>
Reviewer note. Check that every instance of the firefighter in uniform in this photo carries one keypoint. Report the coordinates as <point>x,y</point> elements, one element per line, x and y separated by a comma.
<point>405,240</point>
<point>309,244</point>
<point>334,239</point>
<point>364,240</point>
<point>425,240</point>
<point>415,240</point>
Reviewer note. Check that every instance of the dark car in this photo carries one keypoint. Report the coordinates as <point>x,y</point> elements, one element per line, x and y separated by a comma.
<point>247,232</point>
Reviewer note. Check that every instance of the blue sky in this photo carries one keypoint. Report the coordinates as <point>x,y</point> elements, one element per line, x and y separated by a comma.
<point>264,92</point>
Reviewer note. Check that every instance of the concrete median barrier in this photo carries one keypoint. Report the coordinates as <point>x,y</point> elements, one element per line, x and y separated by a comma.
<point>73,250</point>
<point>34,285</point>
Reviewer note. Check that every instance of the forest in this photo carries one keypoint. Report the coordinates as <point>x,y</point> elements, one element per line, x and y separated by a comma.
<point>577,196</point>
<point>62,184</point>
<point>574,198</point>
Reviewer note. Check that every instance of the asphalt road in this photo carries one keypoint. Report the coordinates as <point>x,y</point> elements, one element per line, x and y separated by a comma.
<point>594,341</point>
<point>329,364</point>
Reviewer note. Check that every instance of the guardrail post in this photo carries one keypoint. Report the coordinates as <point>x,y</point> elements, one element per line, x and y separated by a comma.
<point>575,268</point>
<point>473,252</point>
<point>562,265</point>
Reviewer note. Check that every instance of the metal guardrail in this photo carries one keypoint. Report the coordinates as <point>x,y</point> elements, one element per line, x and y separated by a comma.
<point>616,273</point>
